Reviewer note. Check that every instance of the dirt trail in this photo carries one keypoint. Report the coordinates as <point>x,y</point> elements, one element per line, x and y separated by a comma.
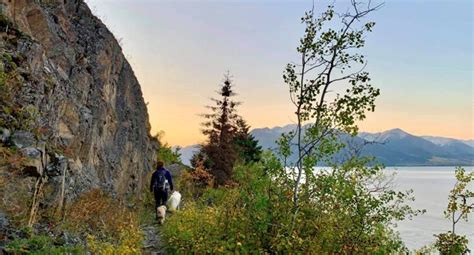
<point>152,243</point>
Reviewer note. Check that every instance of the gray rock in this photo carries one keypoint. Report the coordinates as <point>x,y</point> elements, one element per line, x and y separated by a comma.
<point>62,74</point>
<point>152,243</point>
<point>4,222</point>
<point>71,239</point>
<point>31,152</point>
<point>23,139</point>
<point>34,164</point>
<point>57,166</point>
<point>4,135</point>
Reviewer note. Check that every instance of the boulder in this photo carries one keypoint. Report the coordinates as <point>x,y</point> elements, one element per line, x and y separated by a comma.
<point>57,166</point>
<point>33,166</point>
<point>23,139</point>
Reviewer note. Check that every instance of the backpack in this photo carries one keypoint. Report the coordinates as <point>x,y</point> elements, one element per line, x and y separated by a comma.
<point>161,183</point>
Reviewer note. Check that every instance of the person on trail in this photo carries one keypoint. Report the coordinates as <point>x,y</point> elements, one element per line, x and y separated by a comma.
<point>161,184</point>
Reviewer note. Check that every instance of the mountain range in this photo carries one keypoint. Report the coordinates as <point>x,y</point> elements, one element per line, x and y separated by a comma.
<point>393,147</point>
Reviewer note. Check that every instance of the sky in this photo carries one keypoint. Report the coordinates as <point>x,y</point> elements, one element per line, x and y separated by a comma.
<point>420,55</point>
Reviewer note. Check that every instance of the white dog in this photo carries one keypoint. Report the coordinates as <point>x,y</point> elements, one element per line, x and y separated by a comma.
<point>161,214</point>
<point>173,201</point>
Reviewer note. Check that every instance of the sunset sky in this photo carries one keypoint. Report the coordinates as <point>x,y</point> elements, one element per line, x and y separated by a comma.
<point>420,55</point>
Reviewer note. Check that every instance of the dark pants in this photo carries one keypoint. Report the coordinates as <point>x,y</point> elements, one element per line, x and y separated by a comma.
<point>161,197</point>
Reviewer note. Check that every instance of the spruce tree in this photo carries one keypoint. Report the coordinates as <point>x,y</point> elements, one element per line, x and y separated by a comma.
<point>246,145</point>
<point>228,137</point>
<point>220,128</point>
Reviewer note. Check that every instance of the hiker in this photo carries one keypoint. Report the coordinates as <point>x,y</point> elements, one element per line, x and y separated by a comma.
<point>161,184</point>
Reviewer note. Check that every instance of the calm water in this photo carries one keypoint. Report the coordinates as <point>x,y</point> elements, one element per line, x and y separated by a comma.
<point>431,187</point>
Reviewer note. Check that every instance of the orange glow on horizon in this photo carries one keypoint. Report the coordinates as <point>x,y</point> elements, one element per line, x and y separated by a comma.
<point>182,128</point>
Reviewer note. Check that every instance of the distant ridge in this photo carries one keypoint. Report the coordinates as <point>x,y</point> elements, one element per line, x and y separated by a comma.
<point>444,140</point>
<point>394,147</point>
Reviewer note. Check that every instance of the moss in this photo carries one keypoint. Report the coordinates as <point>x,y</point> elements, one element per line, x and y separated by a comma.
<point>8,57</point>
<point>3,78</point>
<point>8,62</point>
<point>49,84</point>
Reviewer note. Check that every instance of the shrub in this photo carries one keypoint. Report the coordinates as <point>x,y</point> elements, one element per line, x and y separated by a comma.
<point>228,220</point>
<point>220,222</point>
<point>192,229</point>
<point>95,211</point>
<point>110,228</point>
<point>194,183</point>
<point>427,249</point>
<point>129,242</point>
<point>450,244</point>
<point>165,152</point>
<point>256,216</point>
<point>459,207</point>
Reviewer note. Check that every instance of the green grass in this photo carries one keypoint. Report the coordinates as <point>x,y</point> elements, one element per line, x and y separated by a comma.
<point>146,216</point>
<point>41,244</point>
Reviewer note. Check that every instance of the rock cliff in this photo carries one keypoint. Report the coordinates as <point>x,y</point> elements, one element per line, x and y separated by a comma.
<point>72,106</point>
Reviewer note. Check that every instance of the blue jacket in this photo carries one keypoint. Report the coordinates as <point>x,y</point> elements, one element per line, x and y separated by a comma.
<point>155,175</point>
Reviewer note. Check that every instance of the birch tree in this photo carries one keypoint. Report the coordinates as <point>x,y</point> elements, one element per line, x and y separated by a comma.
<point>328,86</point>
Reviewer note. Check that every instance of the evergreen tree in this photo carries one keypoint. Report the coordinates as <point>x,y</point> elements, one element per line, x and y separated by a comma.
<point>220,127</point>
<point>246,145</point>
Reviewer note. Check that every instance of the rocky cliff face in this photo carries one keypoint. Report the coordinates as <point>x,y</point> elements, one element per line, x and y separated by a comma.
<point>89,124</point>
